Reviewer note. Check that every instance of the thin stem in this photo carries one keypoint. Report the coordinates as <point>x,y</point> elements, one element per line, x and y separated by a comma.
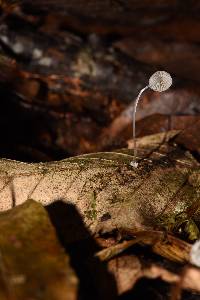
<point>134,115</point>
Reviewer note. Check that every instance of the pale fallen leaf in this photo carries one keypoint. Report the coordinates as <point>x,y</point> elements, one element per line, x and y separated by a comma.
<point>105,189</point>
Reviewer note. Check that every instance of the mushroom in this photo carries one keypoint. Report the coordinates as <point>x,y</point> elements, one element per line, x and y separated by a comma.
<point>160,81</point>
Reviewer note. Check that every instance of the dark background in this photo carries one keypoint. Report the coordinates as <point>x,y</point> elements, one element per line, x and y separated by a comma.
<point>68,70</point>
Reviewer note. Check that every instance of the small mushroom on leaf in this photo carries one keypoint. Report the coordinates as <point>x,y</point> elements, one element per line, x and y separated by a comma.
<point>160,81</point>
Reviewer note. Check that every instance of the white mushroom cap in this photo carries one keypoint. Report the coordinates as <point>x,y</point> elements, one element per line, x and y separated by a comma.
<point>160,81</point>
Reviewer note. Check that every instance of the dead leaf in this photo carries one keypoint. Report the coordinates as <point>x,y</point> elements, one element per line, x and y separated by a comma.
<point>189,138</point>
<point>126,270</point>
<point>162,243</point>
<point>32,262</point>
<point>105,184</point>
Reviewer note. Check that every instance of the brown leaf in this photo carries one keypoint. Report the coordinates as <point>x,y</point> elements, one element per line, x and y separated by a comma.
<point>33,264</point>
<point>190,138</point>
<point>127,270</point>
<point>160,123</point>
<point>163,244</point>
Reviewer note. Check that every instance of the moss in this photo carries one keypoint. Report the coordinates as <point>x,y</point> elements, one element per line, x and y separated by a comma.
<point>180,224</point>
<point>91,212</point>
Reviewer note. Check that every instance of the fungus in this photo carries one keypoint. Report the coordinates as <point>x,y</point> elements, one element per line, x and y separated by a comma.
<point>160,81</point>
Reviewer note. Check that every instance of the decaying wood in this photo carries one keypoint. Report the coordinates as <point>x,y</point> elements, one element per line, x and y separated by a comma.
<point>105,189</point>
<point>32,263</point>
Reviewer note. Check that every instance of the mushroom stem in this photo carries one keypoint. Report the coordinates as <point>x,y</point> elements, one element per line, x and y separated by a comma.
<point>134,115</point>
<point>160,81</point>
